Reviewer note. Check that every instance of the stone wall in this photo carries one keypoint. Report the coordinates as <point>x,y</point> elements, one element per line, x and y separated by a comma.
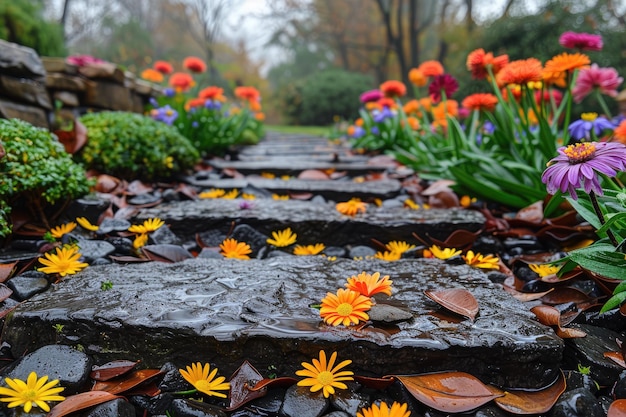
<point>30,85</point>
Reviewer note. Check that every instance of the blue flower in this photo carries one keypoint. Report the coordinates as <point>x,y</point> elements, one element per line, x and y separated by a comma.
<point>589,124</point>
<point>165,114</point>
<point>169,92</point>
<point>358,132</point>
<point>380,115</point>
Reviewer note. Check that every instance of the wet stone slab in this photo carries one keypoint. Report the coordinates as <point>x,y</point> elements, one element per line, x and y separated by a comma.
<point>313,222</point>
<point>226,311</point>
<point>281,166</point>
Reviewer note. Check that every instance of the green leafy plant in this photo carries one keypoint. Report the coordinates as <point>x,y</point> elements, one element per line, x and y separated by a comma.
<point>133,146</point>
<point>38,175</point>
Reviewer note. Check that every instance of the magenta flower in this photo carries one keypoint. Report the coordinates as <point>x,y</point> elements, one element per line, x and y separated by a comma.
<point>444,83</point>
<point>371,95</point>
<point>581,41</point>
<point>580,164</point>
<point>605,80</point>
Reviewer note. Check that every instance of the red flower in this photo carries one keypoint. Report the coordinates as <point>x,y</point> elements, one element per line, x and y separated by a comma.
<point>393,88</point>
<point>194,64</point>
<point>387,102</point>
<point>444,83</point>
<point>181,81</point>
<point>480,101</point>
<point>163,67</point>
<point>248,93</point>
<point>213,93</point>
<point>431,68</point>
<point>479,61</point>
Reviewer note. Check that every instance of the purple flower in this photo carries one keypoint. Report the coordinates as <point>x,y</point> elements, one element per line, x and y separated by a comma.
<point>375,130</point>
<point>246,205</point>
<point>588,123</point>
<point>169,92</point>
<point>359,132</point>
<point>165,114</point>
<point>153,102</point>
<point>580,164</point>
<point>582,41</point>
<point>371,95</point>
<point>380,115</point>
<point>444,83</point>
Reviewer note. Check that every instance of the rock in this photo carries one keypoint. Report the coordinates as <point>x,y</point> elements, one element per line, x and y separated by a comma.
<point>245,233</point>
<point>20,61</point>
<point>105,70</point>
<point>25,90</point>
<point>361,252</point>
<point>269,404</point>
<point>301,402</point>
<point>619,389</point>
<point>58,64</point>
<point>163,235</point>
<point>157,405</point>
<point>145,198</point>
<point>182,407</point>
<point>94,249</point>
<point>336,251</point>
<point>108,95</point>
<point>66,83</point>
<point>110,225</point>
<point>209,253</point>
<point>337,414</point>
<point>349,401</point>
<point>578,402</point>
<point>25,287</point>
<point>387,313</point>
<point>61,362</point>
<point>32,114</point>
<point>612,319</point>
<point>90,208</point>
<point>123,245</point>
<point>114,408</point>
<point>574,379</point>
<point>491,410</point>
<point>280,166</point>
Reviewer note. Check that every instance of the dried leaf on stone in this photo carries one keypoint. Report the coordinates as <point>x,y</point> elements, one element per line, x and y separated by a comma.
<point>137,187</point>
<point>554,279</point>
<point>550,316</point>
<point>107,184</point>
<point>300,196</point>
<point>444,199</point>
<point>562,295</point>
<point>616,357</point>
<point>450,392</point>
<point>111,370</point>
<point>80,401</point>
<point>438,186</point>
<point>125,259</point>
<point>166,253</point>
<point>531,402</point>
<point>187,191</point>
<point>313,174</point>
<point>617,409</point>
<point>374,383</point>
<point>126,382</point>
<point>532,213</point>
<point>231,172</point>
<point>457,300</point>
<point>283,381</point>
<point>524,296</point>
<point>245,377</point>
<point>6,270</point>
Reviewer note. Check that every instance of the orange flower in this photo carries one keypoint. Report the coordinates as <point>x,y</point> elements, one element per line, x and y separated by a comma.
<point>254,105</point>
<point>387,102</point>
<point>567,62</point>
<point>369,285</point>
<point>352,207</point>
<point>411,106</point>
<point>163,67</point>
<point>417,77</point>
<point>478,63</point>
<point>346,307</point>
<point>431,68</point>
<point>520,72</point>
<point>213,93</point>
<point>233,249</point>
<point>181,81</point>
<point>152,75</point>
<point>620,132</point>
<point>414,124</point>
<point>248,93</point>
<point>359,122</point>
<point>194,102</point>
<point>260,116</point>
<point>555,78</point>
<point>450,108</point>
<point>393,88</point>
<point>194,64</point>
<point>480,101</point>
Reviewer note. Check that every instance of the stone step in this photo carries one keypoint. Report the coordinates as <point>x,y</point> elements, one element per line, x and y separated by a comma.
<point>226,311</point>
<point>279,166</point>
<point>333,190</point>
<point>312,221</point>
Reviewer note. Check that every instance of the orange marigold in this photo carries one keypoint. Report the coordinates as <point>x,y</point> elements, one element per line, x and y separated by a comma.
<point>520,72</point>
<point>567,62</point>
<point>620,132</point>
<point>369,285</point>
<point>414,124</point>
<point>347,307</point>
<point>181,81</point>
<point>558,79</point>
<point>247,93</point>
<point>417,77</point>
<point>163,67</point>
<point>431,68</point>
<point>152,75</point>
<point>478,62</point>
<point>393,88</point>
<point>352,207</point>
<point>194,64</point>
<point>213,93</point>
<point>411,106</point>
<point>480,101</point>
<point>449,107</point>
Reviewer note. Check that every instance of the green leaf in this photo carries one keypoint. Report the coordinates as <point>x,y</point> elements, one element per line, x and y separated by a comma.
<point>613,302</point>
<point>608,264</point>
<point>613,219</point>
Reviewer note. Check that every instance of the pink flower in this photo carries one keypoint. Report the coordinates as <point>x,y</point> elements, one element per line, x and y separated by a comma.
<point>582,41</point>
<point>444,83</point>
<point>606,80</point>
<point>371,95</point>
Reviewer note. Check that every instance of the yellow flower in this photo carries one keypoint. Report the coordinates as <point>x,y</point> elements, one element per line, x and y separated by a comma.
<point>280,197</point>
<point>346,307</point>
<point>389,256</point>
<point>352,207</point>
<point>399,246</point>
<point>213,193</point>
<point>544,269</point>
<point>466,201</point>
<point>321,375</point>
<point>198,376</point>
<point>148,226</point>
<point>63,262</point>
<point>59,231</point>
<point>231,195</point>
<point>309,249</point>
<point>247,196</point>
<point>268,175</point>
<point>480,261</point>
<point>233,249</point>
<point>285,177</point>
<point>85,224</point>
<point>34,392</point>
<point>169,162</point>
<point>411,204</point>
<point>282,238</point>
<point>140,240</point>
<point>443,253</point>
<point>369,285</point>
<point>396,410</point>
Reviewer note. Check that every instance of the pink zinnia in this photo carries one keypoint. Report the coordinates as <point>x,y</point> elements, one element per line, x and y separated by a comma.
<point>606,80</point>
<point>442,83</point>
<point>581,41</point>
<point>371,95</point>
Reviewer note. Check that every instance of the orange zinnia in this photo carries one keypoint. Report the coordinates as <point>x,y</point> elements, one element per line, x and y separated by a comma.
<point>213,93</point>
<point>181,81</point>
<point>417,77</point>
<point>352,207</point>
<point>163,67</point>
<point>414,124</point>
<point>620,132</point>
<point>520,72</point>
<point>478,62</point>
<point>194,64</point>
<point>387,102</point>
<point>194,102</point>
<point>480,101</point>
<point>346,307</point>
<point>230,248</point>
<point>393,88</point>
<point>247,93</point>
<point>451,109</point>
<point>567,62</point>
<point>431,68</point>
<point>369,285</point>
<point>152,75</point>
<point>411,106</point>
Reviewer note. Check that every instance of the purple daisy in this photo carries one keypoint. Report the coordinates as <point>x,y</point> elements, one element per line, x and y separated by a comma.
<point>444,83</point>
<point>582,41</point>
<point>581,163</point>
<point>589,122</point>
<point>165,114</point>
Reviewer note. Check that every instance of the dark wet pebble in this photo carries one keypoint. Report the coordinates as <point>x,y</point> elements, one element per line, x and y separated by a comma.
<point>172,379</point>
<point>619,389</point>
<point>318,199</point>
<point>496,277</point>
<point>170,195</point>
<point>337,251</point>
<point>209,253</point>
<point>578,402</point>
<point>94,249</point>
<point>276,253</point>
<point>491,410</point>
<point>61,362</point>
<point>101,261</point>
<point>576,379</point>
<point>110,225</point>
<point>524,273</point>
<point>612,319</point>
<point>300,402</point>
<point>90,208</point>
<point>211,237</point>
<point>145,198</point>
<point>268,405</point>
<point>388,314</point>
<point>28,245</point>
<point>159,404</point>
<point>245,233</point>
<point>123,245</point>
<point>361,251</point>
<point>164,235</point>
<point>536,285</point>
<point>182,407</point>
<point>349,401</point>
<point>114,408</point>
<point>24,287</point>
<point>487,244</point>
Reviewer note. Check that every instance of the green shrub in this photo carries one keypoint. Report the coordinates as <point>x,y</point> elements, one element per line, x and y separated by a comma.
<point>321,97</point>
<point>36,171</point>
<point>133,146</point>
